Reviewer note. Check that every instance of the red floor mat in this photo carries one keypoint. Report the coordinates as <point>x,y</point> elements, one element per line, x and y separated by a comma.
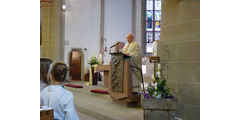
<point>74,86</point>
<point>99,91</point>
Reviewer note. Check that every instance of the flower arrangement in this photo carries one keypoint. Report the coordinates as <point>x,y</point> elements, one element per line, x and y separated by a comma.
<point>158,89</point>
<point>94,61</point>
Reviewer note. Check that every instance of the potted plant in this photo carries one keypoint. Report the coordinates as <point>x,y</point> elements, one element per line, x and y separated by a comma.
<point>158,103</point>
<point>93,62</point>
<point>158,89</point>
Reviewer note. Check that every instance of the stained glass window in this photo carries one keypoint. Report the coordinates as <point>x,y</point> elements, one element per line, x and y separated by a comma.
<point>149,19</point>
<point>149,37</point>
<point>153,22</point>
<point>149,15</point>
<point>158,5</point>
<point>149,26</point>
<point>157,35</point>
<point>149,4</point>
<point>149,47</point>
<point>157,26</point>
<point>157,15</point>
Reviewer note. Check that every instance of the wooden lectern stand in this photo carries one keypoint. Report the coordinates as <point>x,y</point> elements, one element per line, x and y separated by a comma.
<point>120,80</point>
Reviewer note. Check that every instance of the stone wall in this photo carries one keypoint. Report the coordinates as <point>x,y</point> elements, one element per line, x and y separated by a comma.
<point>82,30</point>
<point>179,48</point>
<point>52,42</point>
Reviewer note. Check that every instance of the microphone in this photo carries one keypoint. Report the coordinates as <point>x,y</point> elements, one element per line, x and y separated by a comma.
<point>113,46</point>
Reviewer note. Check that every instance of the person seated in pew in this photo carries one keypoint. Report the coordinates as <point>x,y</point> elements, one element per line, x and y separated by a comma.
<point>132,49</point>
<point>56,97</point>
<point>44,67</point>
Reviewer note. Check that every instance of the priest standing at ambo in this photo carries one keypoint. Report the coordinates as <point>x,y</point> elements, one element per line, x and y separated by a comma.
<point>132,49</point>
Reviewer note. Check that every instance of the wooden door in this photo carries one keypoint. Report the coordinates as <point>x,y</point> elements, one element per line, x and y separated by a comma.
<point>75,65</point>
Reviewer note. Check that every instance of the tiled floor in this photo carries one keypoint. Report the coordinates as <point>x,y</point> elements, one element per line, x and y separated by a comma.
<point>94,106</point>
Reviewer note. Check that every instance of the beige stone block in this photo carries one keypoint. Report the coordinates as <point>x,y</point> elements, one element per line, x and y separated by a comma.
<point>181,32</point>
<point>188,51</point>
<point>191,112</point>
<point>188,93</point>
<point>163,115</point>
<point>173,72</point>
<point>189,10</point>
<point>158,115</point>
<point>147,114</point>
<point>170,12</point>
<point>180,110</point>
<point>167,51</point>
<point>173,88</point>
<point>159,104</point>
<point>183,72</point>
<point>188,72</point>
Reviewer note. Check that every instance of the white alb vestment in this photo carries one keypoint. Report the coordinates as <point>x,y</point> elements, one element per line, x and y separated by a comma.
<point>133,50</point>
<point>61,100</point>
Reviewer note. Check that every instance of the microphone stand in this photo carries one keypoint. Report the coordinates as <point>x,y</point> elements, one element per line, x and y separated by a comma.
<point>141,76</point>
<point>113,46</point>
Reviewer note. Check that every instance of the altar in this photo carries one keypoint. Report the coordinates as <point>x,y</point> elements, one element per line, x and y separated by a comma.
<point>105,70</point>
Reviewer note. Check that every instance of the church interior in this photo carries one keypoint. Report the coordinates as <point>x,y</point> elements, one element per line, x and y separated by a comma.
<point>119,53</point>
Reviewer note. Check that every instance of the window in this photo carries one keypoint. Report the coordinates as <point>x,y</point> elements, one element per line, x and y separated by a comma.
<point>153,23</point>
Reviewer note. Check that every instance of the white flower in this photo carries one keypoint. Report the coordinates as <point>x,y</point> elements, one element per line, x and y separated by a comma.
<point>155,93</point>
<point>158,74</point>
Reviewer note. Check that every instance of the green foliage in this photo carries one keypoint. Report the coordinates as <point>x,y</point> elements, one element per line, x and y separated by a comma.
<point>159,88</point>
<point>93,61</point>
<point>151,90</point>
